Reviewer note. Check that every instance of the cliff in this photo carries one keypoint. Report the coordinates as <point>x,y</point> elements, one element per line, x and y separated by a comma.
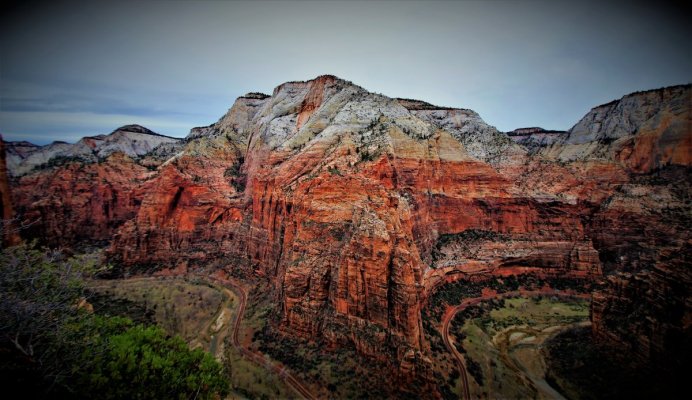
<point>534,139</point>
<point>73,194</point>
<point>354,205</point>
<point>8,225</point>
<point>642,131</point>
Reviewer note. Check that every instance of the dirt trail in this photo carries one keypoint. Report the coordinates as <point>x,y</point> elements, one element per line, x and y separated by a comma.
<point>285,375</point>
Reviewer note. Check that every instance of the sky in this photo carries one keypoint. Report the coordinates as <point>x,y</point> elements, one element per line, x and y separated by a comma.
<point>70,69</point>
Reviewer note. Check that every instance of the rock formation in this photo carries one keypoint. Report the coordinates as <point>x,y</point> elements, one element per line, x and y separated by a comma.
<point>534,139</point>
<point>71,194</point>
<point>8,233</point>
<point>131,140</point>
<point>353,205</point>
<point>642,131</point>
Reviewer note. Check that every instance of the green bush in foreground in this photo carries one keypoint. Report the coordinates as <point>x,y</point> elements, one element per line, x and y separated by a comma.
<point>120,360</point>
<point>58,349</point>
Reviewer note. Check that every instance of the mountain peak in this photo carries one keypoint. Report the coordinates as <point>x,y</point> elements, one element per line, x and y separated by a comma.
<point>135,128</point>
<point>322,80</point>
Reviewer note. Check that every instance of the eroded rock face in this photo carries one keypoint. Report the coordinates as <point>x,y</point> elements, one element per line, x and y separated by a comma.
<point>644,230</point>
<point>8,226</point>
<point>346,194</point>
<point>642,131</point>
<point>80,203</point>
<point>480,140</point>
<point>534,139</point>
<point>132,140</point>
<point>353,204</point>
<point>647,315</point>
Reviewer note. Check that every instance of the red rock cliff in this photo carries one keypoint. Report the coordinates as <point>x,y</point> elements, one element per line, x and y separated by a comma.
<point>340,198</point>
<point>8,225</point>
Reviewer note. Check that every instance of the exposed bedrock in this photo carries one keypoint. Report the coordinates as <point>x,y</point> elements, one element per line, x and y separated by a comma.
<point>353,205</point>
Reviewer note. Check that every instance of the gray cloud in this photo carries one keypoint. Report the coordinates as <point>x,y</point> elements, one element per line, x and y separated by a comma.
<point>517,63</point>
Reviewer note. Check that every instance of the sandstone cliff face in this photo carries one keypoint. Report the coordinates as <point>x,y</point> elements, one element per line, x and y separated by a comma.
<point>534,139</point>
<point>643,229</point>
<point>345,196</point>
<point>80,202</point>
<point>354,205</point>
<point>480,140</point>
<point>71,194</point>
<point>647,315</point>
<point>642,131</point>
<point>8,226</point>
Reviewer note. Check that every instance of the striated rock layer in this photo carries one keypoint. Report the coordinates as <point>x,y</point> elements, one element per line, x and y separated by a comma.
<point>81,203</point>
<point>354,205</point>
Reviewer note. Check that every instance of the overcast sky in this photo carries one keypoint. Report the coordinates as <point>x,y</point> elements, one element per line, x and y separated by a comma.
<point>70,69</point>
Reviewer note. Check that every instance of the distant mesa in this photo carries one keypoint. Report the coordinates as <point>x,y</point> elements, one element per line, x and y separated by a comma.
<point>255,95</point>
<point>134,128</point>
<point>418,105</point>
<point>533,131</point>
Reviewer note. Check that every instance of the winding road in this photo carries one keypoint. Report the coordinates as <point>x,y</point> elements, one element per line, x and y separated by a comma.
<point>258,358</point>
<point>452,311</point>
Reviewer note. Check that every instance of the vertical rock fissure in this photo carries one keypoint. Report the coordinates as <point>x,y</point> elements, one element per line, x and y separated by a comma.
<point>175,201</point>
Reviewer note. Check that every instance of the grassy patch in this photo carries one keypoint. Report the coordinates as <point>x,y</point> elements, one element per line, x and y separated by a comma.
<point>180,307</point>
<point>251,380</point>
<point>488,338</point>
<point>190,308</point>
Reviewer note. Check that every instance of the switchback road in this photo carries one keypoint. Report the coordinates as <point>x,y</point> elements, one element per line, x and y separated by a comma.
<point>452,311</point>
<point>258,358</point>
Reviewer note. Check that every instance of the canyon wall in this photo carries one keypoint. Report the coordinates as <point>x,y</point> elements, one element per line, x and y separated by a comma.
<point>353,204</point>
<point>8,225</point>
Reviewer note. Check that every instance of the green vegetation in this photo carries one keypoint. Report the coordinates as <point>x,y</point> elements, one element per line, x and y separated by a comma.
<point>253,381</point>
<point>454,293</point>
<point>334,171</point>
<point>53,346</point>
<point>119,360</point>
<point>181,307</point>
<point>188,307</point>
<point>248,378</point>
<point>343,372</point>
<point>490,337</point>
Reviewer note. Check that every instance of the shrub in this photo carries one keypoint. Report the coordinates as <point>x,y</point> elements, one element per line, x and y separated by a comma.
<point>46,325</point>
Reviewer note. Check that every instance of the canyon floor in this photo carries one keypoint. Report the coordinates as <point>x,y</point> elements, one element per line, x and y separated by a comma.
<point>496,343</point>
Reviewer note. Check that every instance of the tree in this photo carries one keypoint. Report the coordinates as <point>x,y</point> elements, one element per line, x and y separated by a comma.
<point>76,353</point>
<point>120,360</point>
